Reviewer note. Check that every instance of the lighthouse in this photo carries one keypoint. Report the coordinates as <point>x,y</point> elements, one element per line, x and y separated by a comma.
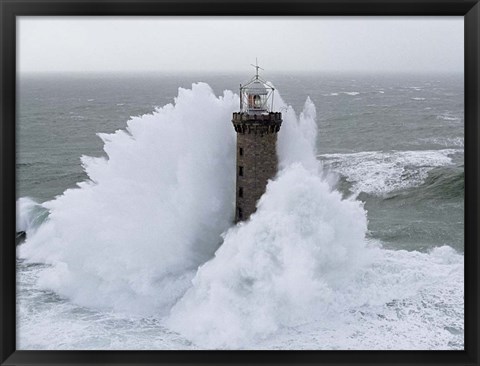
<point>256,125</point>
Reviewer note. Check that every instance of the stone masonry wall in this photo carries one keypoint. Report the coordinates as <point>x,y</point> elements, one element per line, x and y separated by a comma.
<point>256,163</point>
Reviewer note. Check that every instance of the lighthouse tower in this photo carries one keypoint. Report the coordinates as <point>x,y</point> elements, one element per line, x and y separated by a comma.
<point>257,126</point>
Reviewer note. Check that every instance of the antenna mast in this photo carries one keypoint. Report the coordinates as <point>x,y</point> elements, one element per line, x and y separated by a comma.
<point>256,68</point>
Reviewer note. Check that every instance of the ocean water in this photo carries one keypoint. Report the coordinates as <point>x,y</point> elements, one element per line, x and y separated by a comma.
<point>125,188</point>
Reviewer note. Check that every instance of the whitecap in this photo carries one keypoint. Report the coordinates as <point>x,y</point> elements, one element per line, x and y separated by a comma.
<point>377,172</point>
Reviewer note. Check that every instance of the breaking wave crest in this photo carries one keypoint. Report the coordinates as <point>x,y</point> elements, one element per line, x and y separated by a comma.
<point>131,237</point>
<point>281,268</point>
<point>378,173</point>
<point>144,235</point>
<point>30,215</point>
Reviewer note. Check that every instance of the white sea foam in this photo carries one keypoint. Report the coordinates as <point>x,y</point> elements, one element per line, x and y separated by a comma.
<point>330,95</point>
<point>284,267</point>
<point>299,274</point>
<point>293,277</point>
<point>153,211</point>
<point>422,308</point>
<point>393,300</point>
<point>377,172</point>
<point>448,117</point>
<point>30,214</point>
<point>297,137</point>
<point>445,141</point>
<point>345,93</point>
<point>132,236</point>
<point>401,300</point>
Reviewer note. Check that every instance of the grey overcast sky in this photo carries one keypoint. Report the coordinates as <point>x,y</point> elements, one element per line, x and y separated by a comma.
<point>116,44</point>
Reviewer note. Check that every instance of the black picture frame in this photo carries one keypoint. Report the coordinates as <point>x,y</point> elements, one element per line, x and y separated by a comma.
<point>10,9</point>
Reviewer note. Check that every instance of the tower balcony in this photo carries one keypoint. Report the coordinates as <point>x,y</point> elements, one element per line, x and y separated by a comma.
<point>257,123</point>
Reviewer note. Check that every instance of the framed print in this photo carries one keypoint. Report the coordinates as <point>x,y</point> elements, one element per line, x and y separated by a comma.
<point>252,183</point>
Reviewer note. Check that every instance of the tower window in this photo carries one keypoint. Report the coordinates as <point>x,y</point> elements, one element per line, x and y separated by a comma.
<point>240,151</point>
<point>240,171</point>
<point>239,213</point>
<point>240,192</point>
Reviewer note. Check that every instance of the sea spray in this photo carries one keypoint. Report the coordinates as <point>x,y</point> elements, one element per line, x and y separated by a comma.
<point>283,266</point>
<point>302,264</point>
<point>399,300</point>
<point>30,215</point>
<point>131,237</point>
<point>298,275</point>
<point>279,269</point>
<point>379,173</point>
<point>298,136</point>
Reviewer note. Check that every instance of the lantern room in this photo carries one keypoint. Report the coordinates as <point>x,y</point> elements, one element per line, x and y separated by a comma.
<point>256,97</point>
